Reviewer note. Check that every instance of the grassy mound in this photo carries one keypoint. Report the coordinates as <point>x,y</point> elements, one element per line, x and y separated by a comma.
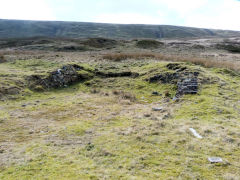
<point>100,43</point>
<point>148,43</point>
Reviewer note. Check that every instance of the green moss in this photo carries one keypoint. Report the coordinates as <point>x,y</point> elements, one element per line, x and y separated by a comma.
<point>78,129</point>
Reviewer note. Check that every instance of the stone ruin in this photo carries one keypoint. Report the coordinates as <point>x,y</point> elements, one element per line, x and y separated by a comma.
<point>186,80</point>
<point>63,77</point>
<point>70,74</point>
<point>188,84</point>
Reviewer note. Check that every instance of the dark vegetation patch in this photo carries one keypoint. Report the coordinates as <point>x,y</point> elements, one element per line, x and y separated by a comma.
<point>123,56</point>
<point>198,46</point>
<point>72,48</point>
<point>117,74</point>
<point>231,46</point>
<point>179,43</point>
<point>148,44</point>
<point>2,58</point>
<point>100,43</point>
<point>18,42</point>
<point>51,44</point>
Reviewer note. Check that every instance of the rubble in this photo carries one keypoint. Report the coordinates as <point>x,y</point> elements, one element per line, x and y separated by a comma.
<point>186,80</point>
<point>63,77</point>
<point>165,78</point>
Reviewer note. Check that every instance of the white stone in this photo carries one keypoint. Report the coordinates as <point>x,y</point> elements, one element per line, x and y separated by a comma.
<point>215,160</point>
<point>194,132</point>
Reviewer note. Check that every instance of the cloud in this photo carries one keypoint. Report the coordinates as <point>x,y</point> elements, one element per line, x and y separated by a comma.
<point>218,14</point>
<point>26,9</point>
<point>128,18</point>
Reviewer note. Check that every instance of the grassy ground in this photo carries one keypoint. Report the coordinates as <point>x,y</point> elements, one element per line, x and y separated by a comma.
<point>105,128</point>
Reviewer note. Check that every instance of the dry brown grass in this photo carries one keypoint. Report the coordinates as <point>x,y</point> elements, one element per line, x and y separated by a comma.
<point>125,95</point>
<point>233,65</point>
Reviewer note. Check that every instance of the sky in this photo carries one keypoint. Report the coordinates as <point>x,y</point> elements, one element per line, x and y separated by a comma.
<point>216,14</point>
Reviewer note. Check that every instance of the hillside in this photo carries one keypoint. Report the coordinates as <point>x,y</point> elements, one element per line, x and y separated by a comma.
<point>102,108</point>
<point>21,29</point>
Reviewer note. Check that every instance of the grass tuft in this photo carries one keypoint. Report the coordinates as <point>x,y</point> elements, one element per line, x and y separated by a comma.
<point>125,95</point>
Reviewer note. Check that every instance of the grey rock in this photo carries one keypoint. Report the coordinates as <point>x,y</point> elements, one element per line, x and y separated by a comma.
<point>155,93</point>
<point>157,108</point>
<point>147,115</point>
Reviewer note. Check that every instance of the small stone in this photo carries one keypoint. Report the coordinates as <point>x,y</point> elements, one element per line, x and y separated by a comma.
<point>157,108</point>
<point>155,93</point>
<point>215,160</point>
<point>24,105</point>
<point>194,132</point>
<point>147,115</point>
<point>167,116</point>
